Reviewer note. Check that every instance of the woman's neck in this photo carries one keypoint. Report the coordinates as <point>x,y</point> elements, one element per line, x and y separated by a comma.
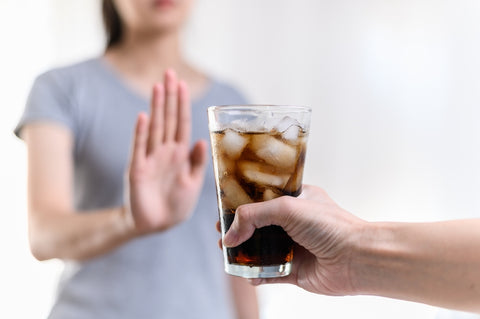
<point>142,59</point>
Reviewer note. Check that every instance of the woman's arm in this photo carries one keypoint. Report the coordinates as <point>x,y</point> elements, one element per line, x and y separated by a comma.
<point>244,298</point>
<point>56,230</point>
<point>165,180</point>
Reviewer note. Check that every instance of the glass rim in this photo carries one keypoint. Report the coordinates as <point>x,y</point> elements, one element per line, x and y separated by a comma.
<point>261,107</point>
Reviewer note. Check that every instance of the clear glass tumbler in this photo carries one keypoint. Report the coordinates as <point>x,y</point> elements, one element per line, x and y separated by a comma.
<point>258,155</point>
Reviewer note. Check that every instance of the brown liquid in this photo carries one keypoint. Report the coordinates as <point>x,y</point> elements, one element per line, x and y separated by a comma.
<point>253,167</point>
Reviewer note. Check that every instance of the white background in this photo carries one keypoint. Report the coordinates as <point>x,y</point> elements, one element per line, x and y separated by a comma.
<point>395,89</point>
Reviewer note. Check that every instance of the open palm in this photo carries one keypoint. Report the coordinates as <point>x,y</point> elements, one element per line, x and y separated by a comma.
<point>165,175</point>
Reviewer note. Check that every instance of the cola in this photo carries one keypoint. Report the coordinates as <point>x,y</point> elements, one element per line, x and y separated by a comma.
<point>254,166</point>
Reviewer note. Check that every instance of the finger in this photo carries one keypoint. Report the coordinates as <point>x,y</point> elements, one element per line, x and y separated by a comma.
<point>277,280</point>
<point>198,160</point>
<point>184,124</point>
<point>218,227</point>
<point>156,129</point>
<point>257,215</point>
<point>171,105</point>
<point>140,142</point>
<point>301,254</point>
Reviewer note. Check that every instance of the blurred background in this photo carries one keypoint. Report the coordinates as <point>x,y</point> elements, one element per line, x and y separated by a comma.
<point>395,91</point>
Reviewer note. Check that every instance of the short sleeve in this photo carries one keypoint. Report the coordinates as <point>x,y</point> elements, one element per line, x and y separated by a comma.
<point>48,101</point>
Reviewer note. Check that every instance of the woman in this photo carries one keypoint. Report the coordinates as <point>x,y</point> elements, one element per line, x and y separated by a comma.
<point>138,256</point>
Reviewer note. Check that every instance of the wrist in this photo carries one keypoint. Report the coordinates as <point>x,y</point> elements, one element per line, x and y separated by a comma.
<point>127,222</point>
<point>375,257</point>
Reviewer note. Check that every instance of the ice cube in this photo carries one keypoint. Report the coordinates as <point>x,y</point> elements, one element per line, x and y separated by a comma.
<point>225,166</point>
<point>233,193</point>
<point>269,194</point>
<point>239,125</point>
<point>274,151</point>
<point>286,123</point>
<point>233,143</point>
<point>255,172</point>
<point>259,124</point>
<point>294,185</point>
<point>292,134</point>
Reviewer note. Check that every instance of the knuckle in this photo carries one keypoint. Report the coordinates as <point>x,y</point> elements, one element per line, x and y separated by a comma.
<point>288,206</point>
<point>243,214</point>
<point>287,202</point>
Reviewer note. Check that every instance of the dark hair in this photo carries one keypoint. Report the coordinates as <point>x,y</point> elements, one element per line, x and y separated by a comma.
<point>112,23</point>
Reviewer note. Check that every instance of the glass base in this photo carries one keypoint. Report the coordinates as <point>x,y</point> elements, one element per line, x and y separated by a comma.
<point>259,271</point>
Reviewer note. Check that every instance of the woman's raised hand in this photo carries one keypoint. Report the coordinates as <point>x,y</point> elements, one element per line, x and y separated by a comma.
<point>165,175</point>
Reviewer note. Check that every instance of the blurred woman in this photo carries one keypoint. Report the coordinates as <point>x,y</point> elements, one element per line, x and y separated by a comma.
<point>142,255</point>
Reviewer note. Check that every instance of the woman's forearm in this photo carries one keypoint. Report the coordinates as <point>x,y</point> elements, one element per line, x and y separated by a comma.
<point>435,263</point>
<point>78,236</point>
<point>55,229</point>
<point>244,298</point>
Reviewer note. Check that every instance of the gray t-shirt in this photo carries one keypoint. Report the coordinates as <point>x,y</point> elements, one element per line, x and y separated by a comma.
<point>174,274</point>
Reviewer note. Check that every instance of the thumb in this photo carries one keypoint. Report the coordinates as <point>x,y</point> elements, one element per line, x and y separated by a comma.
<point>198,159</point>
<point>251,216</point>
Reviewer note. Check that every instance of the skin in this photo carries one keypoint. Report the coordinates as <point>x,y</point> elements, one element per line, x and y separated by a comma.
<point>161,163</point>
<point>165,175</point>
<point>151,45</point>
<point>339,254</point>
